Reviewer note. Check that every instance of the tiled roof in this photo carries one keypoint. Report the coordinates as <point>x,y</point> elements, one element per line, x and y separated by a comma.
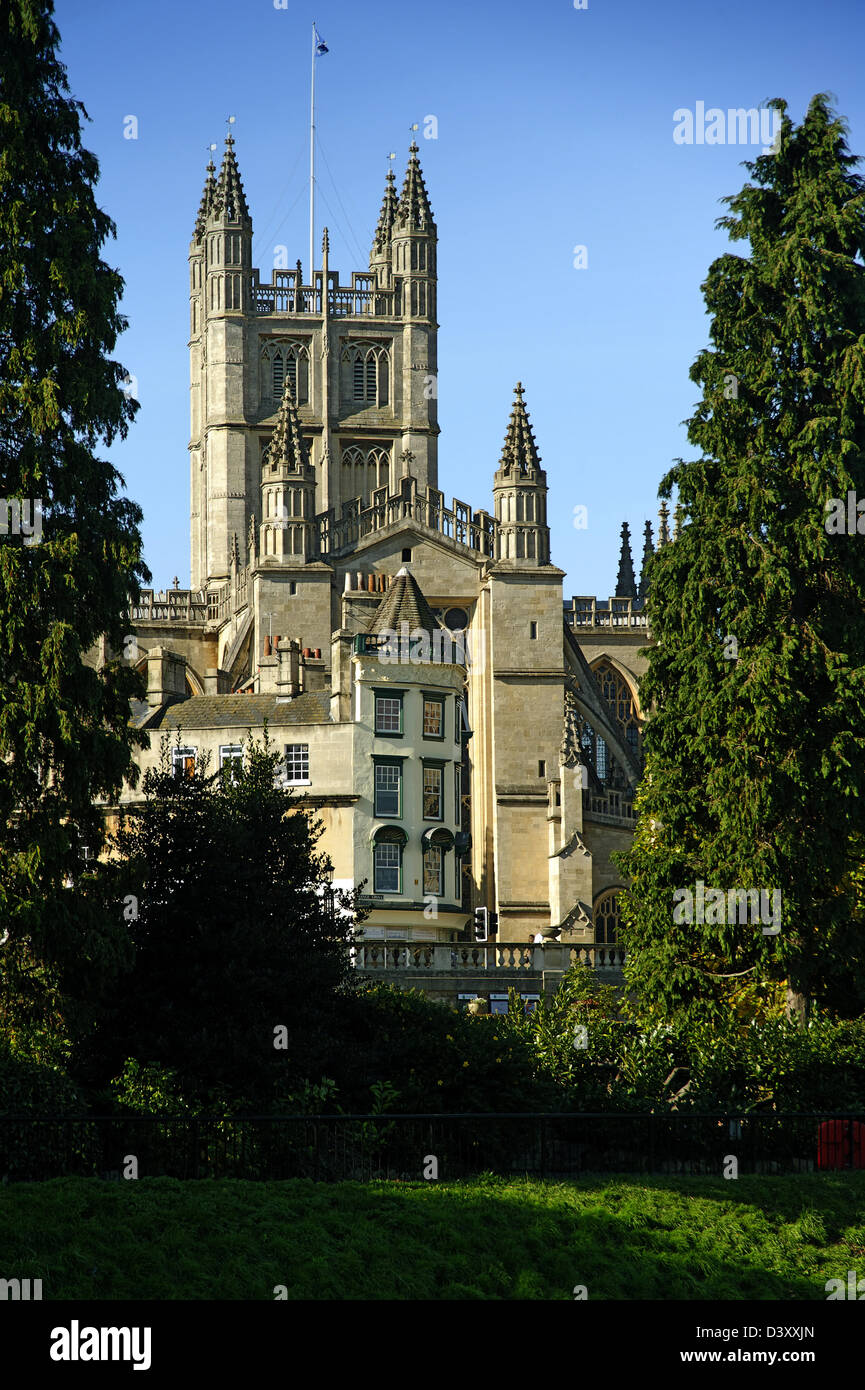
<point>244,711</point>
<point>404,603</point>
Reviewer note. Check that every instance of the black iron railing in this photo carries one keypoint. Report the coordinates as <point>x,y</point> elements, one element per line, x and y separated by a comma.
<point>364,1147</point>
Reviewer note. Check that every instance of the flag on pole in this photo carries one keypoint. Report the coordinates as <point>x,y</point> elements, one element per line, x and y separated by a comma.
<point>320,45</point>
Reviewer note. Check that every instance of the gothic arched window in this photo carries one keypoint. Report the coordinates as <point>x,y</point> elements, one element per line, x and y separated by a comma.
<point>607,917</point>
<point>281,363</point>
<point>364,470</point>
<point>620,697</point>
<point>366,373</point>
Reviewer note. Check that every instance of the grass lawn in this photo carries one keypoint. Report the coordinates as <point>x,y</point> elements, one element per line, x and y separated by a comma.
<point>623,1238</point>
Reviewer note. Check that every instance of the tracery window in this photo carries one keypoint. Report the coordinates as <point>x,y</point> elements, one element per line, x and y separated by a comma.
<point>364,470</point>
<point>620,697</point>
<point>607,917</point>
<point>366,373</point>
<point>281,363</point>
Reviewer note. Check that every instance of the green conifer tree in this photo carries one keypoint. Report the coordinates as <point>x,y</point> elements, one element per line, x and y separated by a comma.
<point>66,577</point>
<point>755,751</point>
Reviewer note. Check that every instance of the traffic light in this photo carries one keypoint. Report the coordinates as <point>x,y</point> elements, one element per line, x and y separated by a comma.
<point>493,923</point>
<point>481,920</point>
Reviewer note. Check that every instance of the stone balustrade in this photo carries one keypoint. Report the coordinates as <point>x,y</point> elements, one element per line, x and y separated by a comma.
<point>477,530</point>
<point>170,606</point>
<point>586,611</point>
<point>462,958</point>
<point>614,807</point>
<point>286,294</point>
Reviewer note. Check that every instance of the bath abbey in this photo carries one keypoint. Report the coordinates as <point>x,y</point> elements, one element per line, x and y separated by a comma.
<point>469,737</point>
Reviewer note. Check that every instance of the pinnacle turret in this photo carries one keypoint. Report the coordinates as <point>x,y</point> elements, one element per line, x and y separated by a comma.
<point>626,584</point>
<point>207,198</point>
<point>229,200</point>
<point>519,453</point>
<point>648,553</point>
<point>413,211</point>
<point>386,219</point>
<point>663,525</point>
<point>286,445</point>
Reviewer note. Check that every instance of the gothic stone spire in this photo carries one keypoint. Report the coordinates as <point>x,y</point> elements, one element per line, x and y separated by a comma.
<point>663,525</point>
<point>207,198</point>
<point>386,218</point>
<point>520,452</point>
<point>413,211</point>
<point>286,445</point>
<point>648,552</point>
<point>230,199</point>
<point>626,584</point>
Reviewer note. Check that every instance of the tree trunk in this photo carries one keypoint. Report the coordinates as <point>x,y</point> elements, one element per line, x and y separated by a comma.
<point>797,1007</point>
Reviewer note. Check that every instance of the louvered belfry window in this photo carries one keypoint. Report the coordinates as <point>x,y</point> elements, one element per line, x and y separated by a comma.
<point>278,376</point>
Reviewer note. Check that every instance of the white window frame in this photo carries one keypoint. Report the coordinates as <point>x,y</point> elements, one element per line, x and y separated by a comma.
<point>303,760</point>
<point>230,753</point>
<point>397,866</point>
<point>179,757</point>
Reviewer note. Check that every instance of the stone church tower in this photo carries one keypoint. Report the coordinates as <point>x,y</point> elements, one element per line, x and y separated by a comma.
<point>469,739</point>
<point>359,361</point>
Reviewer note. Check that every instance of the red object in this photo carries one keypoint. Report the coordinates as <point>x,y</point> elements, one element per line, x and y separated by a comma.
<point>833,1144</point>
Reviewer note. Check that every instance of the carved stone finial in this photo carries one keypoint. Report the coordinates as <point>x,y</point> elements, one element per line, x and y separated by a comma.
<point>570,754</point>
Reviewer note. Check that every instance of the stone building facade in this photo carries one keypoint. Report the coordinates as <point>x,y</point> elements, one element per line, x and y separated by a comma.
<point>468,737</point>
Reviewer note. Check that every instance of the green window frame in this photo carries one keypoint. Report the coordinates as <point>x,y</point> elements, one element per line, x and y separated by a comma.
<point>434,871</point>
<point>387,860</point>
<point>434,717</point>
<point>387,704</point>
<point>387,779</point>
<point>432,791</point>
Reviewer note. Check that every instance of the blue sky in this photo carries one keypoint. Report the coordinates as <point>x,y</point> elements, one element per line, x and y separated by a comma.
<point>554,131</point>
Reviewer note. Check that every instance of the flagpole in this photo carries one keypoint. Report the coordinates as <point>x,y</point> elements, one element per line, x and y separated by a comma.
<point>312,158</point>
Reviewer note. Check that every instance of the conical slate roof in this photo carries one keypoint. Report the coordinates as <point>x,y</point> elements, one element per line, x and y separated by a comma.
<point>207,197</point>
<point>626,584</point>
<point>404,603</point>
<point>286,445</point>
<point>386,218</point>
<point>230,199</point>
<point>414,211</point>
<point>520,452</point>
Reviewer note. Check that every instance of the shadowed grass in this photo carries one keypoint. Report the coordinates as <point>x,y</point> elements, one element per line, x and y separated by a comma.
<point>623,1238</point>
